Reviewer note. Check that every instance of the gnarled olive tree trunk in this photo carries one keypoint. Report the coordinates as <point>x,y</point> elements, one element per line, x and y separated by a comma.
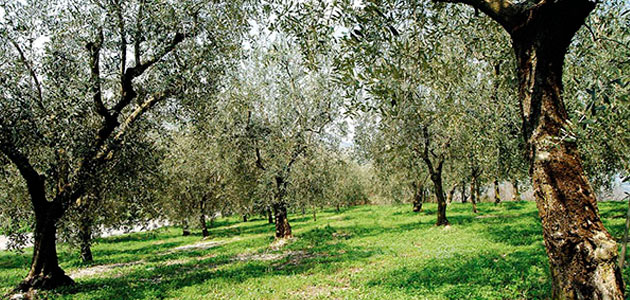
<point>582,254</point>
<point>283,229</point>
<point>45,272</point>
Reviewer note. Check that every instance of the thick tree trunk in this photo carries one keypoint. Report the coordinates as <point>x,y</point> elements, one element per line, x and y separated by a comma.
<point>283,229</point>
<point>516,196</point>
<point>45,272</point>
<point>436,178</point>
<point>245,218</point>
<point>582,254</point>
<point>463,193</point>
<point>497,196</point>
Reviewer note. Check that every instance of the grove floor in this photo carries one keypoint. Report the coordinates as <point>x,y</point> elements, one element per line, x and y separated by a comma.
<point>364,252</point>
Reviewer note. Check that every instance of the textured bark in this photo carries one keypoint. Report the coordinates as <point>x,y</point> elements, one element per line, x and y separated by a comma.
<point>283,229</point>
<point>45,272</point>
<point>463,192</point>
<point>497,195</point>
<point>582,254</point>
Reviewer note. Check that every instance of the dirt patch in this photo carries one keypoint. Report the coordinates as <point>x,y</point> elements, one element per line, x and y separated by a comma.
<point>198,246</point>
<point>97,270</point>
<point>277,244</point>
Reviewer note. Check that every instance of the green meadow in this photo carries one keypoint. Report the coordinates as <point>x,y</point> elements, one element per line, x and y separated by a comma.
<point>363,252</point>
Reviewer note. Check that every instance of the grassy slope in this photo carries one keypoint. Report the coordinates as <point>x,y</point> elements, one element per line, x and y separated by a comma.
<point>369,252</point>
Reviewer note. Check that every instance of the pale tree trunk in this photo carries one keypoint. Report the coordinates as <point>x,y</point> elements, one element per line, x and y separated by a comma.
<point>516,196</point>
<point>497,195</point>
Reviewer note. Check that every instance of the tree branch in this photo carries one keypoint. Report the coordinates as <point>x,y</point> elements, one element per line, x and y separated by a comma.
<point>502,11</point>
<point>27,64</point>
<point>34,181</point>
<point>94,49</point>
<point>128,92</point>
<point>105,154</point>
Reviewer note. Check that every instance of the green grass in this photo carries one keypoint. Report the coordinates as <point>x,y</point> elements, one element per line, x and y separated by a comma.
<point>366,252</point>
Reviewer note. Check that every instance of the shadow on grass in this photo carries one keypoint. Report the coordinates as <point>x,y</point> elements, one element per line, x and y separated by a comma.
<point>313,250</point>
<point>518,275</point>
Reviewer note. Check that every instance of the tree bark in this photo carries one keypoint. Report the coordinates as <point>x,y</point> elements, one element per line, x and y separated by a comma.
<point>436,178</point>
<point>45,272</point>
<point>283,229</point>
<point>516,196</point>
<point>463,195</point>
<point>451,192</point>
<point>202,217</point>
<point>85,236</point>
<point>185,231</point>
<point>418,197</point>
<point>245,218</point>
<point>582,254</point>
<point>204,226</point>
<point>314,213</point>
<point>497,196</point>
<point>474,193</point>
